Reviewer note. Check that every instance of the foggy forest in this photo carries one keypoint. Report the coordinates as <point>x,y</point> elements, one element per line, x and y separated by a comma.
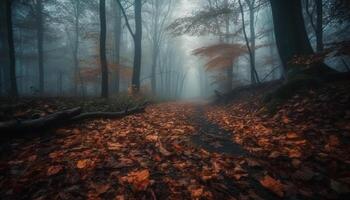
<point>174,99</point>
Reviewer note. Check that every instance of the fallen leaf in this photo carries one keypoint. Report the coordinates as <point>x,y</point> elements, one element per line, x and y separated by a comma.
<point>272,184</point>
<point>294,153</point>
<point>274,154</point>
<point>292,135</point>
<point>152,138</point>
<point>114,146</point>
<point>81,164</point>
<point>101,188</point>
<point>139,179</point>
<point>53,170</point>
<point>196,193</point>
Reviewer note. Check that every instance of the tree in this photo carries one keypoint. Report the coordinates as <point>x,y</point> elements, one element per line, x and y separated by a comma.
<point>117,29</point>
<point>40,40</point>
<point>318,26</point>
<point>291,37</point>
<point>6,19</point>
<point>103,59</point>
<point>159,13</point>
<point>137,37</point>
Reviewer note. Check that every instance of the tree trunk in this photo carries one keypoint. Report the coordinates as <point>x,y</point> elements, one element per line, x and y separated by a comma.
<point>40,39</point>
<point>138,47</point>
<point>12,60</point>
<point>76,47</point>
<point>118,34</point>
<point>155,49</point>
<point>291,37</point>
<point>319,26</point>
<point>103,59</point>
<point>253,73</point>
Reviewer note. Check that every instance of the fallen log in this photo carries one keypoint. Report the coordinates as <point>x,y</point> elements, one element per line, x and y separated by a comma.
<point>36,124</point>
<point>112,115</point>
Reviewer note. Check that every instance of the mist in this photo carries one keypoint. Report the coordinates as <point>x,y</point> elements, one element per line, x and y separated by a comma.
<point>174,99</point>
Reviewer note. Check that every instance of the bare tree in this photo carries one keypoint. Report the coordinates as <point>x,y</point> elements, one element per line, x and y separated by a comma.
<point>103,59</point>
<point>137,37</point>
<point>6,19</point>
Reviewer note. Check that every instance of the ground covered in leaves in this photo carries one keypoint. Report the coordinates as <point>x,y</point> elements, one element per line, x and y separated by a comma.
<point>192,150</point>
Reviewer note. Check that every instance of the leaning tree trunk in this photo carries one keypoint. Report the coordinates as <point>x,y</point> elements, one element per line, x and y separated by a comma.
<point>291,37</point>
<point>138,51</point>
<point>11,49</point>
<point>103,59</point>
<point>40,39</point>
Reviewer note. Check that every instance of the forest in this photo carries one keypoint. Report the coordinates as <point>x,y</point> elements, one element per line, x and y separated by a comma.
<point>175,99</point>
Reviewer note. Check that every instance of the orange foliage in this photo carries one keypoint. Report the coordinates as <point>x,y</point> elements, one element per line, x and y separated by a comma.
<point>220,55</point>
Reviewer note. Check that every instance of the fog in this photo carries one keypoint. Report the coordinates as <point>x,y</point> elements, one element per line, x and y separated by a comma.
<point>58,42</point>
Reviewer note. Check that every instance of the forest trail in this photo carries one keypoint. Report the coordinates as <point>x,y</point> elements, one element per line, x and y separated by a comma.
<point>180,150</point>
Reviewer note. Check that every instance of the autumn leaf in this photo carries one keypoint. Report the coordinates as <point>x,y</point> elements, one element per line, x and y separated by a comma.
<point>81,164</point>
<point>292,135</point>
<point>272,184</point>
<point>139,179</point>
<point>196,193</point>
<point>294,153</point>
<point>101,188</point>
<point>114,146</point>
<point>53,170</point>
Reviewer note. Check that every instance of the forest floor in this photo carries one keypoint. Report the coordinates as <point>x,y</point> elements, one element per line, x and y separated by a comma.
<point>193,150</point>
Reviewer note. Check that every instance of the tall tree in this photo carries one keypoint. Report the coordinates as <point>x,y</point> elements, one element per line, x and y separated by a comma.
<point>77,12</point>
<point>40,40</point>
<point>6,18</point>
<point>159,13</point>
<point>103,58</point>
<point>291,36</point>
<point>317,26</point>
<point>117,35</point>
<point>137,37</point>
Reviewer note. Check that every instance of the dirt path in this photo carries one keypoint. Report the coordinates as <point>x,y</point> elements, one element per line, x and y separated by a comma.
<point>217,140</point>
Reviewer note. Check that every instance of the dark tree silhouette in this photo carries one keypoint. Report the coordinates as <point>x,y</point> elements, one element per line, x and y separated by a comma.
<point>10,54</point>
<point>137,37</point>
<point>40,40</point>
<point>291,37</point>
<point>103,59</point>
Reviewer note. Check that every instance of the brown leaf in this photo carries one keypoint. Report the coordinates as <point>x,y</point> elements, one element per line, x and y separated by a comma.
<point>114,146</point>
<point>53,170</point>
<point>292,135</point>
<point>152,138</point>
<point>101,188</point>
<point>81,164</point>
<point>274,154</point>
<point>294,153</point>
<point>139,179</point>
<point>272,184</point>
<point>196,193</point>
